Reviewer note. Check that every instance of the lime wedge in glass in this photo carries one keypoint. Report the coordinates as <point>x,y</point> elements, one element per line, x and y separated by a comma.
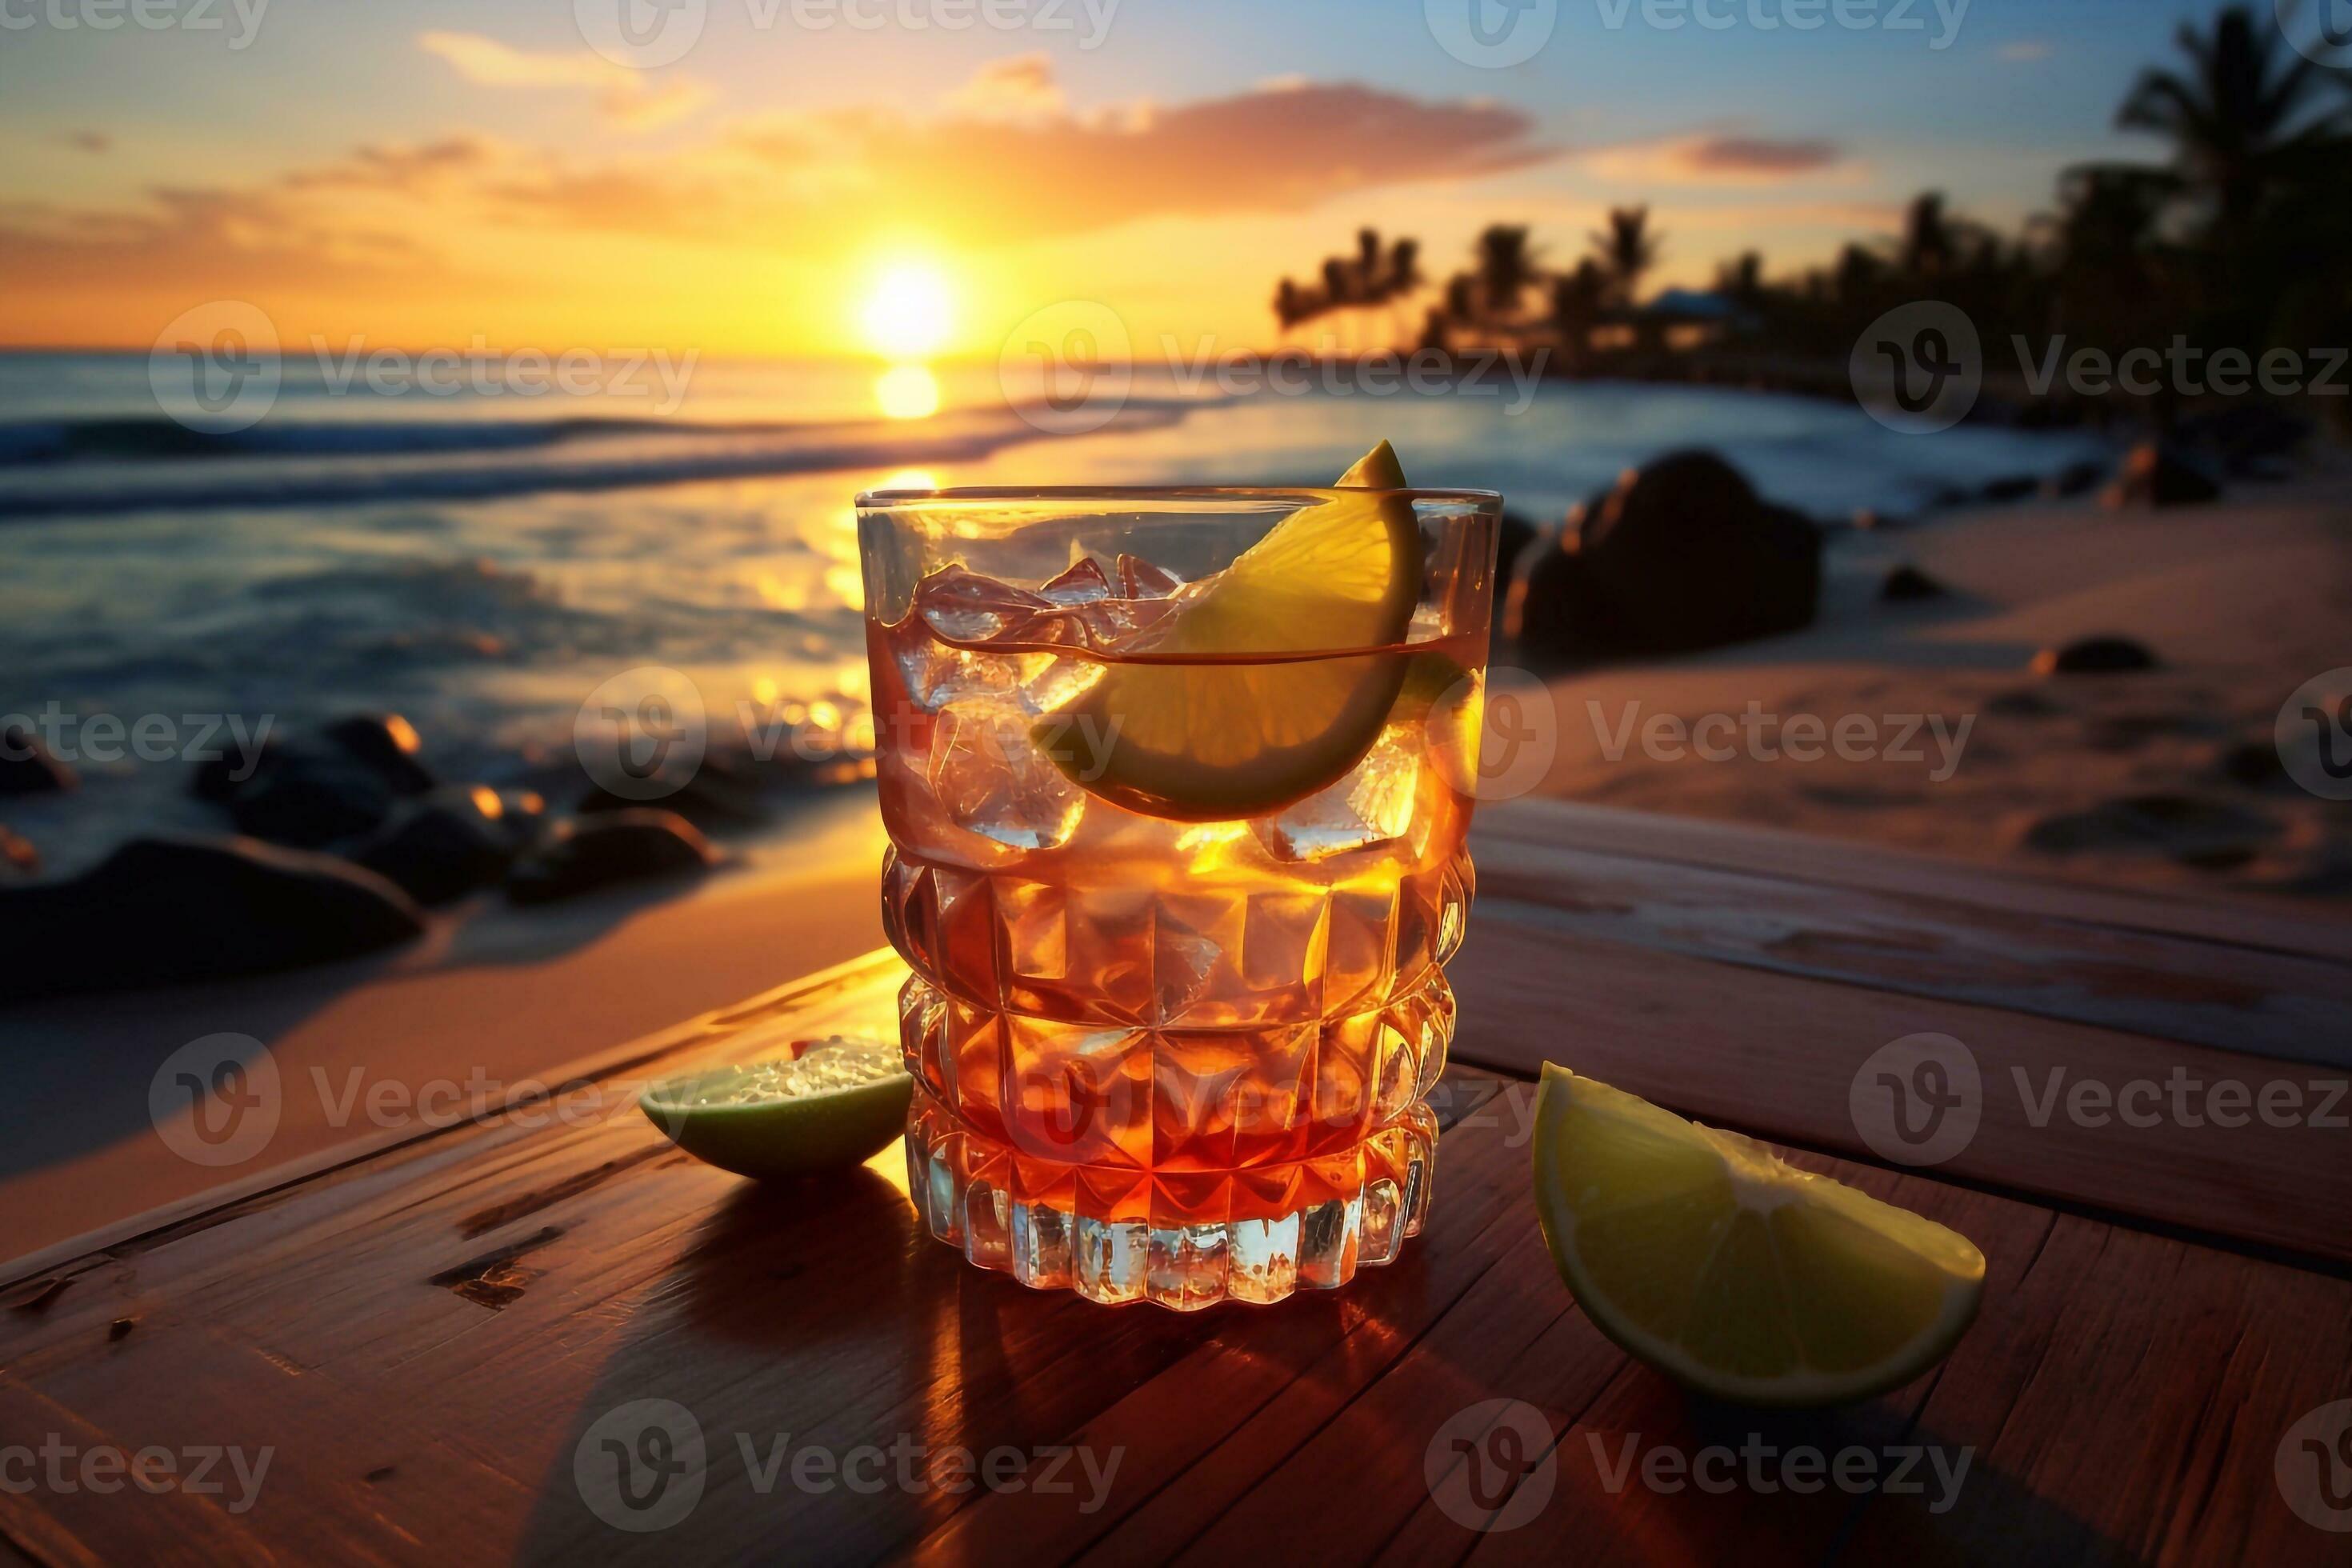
<point>1208,741</point>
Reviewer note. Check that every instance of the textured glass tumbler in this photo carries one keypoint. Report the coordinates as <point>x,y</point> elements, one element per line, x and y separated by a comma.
<point>1175,1013</point>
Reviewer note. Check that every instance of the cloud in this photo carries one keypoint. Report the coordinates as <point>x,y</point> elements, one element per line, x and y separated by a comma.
<point>1711,159</point>
<point>1022,88</point>
<point>1283,147</point>
<point>628,98</point>
<point>86,140</point>
<point>1003,161</point>
<point>2026,50</point>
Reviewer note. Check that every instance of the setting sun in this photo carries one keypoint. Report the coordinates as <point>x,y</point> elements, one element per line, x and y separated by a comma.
<point>907,314</point>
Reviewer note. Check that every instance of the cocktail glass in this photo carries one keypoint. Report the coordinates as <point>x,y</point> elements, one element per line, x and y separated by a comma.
<point>1175,888</point>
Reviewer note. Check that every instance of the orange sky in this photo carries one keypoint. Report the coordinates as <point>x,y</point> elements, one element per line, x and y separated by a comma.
<point>536,195</point>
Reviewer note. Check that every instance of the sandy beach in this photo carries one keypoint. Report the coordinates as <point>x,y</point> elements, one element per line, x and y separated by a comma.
<point>1966,751</point>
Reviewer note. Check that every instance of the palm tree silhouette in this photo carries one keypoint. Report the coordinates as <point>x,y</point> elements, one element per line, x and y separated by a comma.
<point>1626,249</point>
<point>2232,117</point>
<point>1928,245</point>
<point>1506,270</point>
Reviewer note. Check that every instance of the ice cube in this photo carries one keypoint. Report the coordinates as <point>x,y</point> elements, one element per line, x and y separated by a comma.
<point>1083,583</point>
<point>1140,579</point>
<point>1372,804</point>
<point>964,606</point>
<point>937,674</point>
<point>993,780</point>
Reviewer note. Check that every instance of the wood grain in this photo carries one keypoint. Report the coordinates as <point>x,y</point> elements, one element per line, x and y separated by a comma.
<point>2121,1396</point>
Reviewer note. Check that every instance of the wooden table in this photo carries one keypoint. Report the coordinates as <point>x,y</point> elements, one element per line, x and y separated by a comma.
<point>430,1334</point>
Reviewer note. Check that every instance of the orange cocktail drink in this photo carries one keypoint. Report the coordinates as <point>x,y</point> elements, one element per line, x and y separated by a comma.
<point>1177,784</point>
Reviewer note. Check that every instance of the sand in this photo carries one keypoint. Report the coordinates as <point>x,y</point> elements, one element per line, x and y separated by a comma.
<point>2242,602</point>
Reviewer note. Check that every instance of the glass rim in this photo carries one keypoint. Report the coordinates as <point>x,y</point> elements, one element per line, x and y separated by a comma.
<point>884,500</point>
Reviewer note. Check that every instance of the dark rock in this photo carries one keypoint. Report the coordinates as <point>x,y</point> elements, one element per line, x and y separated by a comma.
<point>309,800</point>
<point>2204,833</point>
<point>2022,703</point>
<point>2074,480</point>
<point>617,847</point>
<point>27,768</point>
<point>17,857</point>
<point>2095,655</point>
<point>1908,583</point>
<point>721,793</point>
<point>388,744</point>
<point>161,910</point>
<point>444,845</point>
<point>2159,476</point>
<point>218,778</point>
<point>1682,556</point>
<point>2250,438</point>
<point>2015,488</point>
<point>2254,763</point>
<point>1514,536</point>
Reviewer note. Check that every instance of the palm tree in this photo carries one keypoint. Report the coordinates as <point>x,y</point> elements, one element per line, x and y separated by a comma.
<point>2232,117</point>
<point>1578,301</point>
<point>1506,270</point>
<point>1626,249</point>
<point>1741,278</point>
<point>1928,244</point>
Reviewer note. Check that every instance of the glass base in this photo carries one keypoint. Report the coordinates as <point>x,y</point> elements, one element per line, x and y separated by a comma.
<point>1118,1235</point>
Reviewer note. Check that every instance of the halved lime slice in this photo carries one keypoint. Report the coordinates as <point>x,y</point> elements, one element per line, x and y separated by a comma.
<point>837,1102</point>
<point>1714,1260</point>
<point>1207,742</point>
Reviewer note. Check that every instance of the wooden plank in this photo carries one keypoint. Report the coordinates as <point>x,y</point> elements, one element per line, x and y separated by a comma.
<point>2171,988</point>
<point>258,1189</point>
<point>422,1421</point>
<point>1778,1056</point>
<point>2309,928</point>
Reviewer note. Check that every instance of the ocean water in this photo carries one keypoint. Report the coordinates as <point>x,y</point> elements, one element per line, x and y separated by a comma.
<point>483,563</point>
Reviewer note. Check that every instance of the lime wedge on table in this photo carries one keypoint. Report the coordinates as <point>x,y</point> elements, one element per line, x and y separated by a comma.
<point>836,1102</point>
<point>1707,1256</point>
<point>1205,742</point>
